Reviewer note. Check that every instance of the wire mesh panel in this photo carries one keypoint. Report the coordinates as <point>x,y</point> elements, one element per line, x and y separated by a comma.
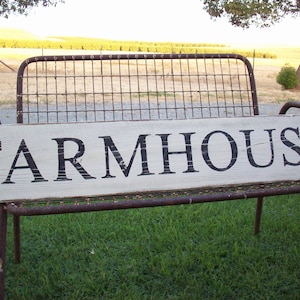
<point>57,89</point>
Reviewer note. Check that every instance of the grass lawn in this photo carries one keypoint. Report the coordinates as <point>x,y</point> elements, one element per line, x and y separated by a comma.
<point>203,251</point>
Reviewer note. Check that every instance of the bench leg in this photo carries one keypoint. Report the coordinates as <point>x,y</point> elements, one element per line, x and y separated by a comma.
<point>17,239</point>
<point>3,232</point>
<point>259,205</point>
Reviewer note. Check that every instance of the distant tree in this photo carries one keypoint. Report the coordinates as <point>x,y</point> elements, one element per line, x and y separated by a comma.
<point>287,77</point>
<point>244,13</point>
<point>8,7</point>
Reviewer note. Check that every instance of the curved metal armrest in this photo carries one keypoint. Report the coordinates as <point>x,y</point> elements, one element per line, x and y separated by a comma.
<point>289,105</point>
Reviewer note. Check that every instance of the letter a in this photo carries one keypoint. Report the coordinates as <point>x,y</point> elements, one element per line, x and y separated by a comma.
<point>30,164</point>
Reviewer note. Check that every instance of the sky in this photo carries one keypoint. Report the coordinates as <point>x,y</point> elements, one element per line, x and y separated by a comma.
<point>155,20</point>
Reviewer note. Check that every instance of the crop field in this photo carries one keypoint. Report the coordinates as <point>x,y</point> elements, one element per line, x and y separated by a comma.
<point>14,38</point>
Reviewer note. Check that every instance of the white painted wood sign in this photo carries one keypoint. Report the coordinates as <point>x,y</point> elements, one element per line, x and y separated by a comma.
<point>87,159</point>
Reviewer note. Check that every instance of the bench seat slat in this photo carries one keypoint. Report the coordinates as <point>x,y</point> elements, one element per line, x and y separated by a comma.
<point>232,192</point>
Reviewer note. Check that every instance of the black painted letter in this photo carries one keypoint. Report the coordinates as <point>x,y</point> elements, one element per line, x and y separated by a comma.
<point>249,150</point>
<point>166,153</point>
<point>290,145</point>
<point>73,160</point>
<point>109,144</point>
<point>205,154</point>
<point>30,164</point>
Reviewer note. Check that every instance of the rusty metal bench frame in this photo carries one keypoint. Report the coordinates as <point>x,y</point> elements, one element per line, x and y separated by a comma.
<point>55,89</point>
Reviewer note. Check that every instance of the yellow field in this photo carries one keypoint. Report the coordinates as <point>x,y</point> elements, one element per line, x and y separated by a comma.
<point>284,55</point>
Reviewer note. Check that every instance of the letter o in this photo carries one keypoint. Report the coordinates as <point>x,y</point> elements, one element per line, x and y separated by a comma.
<point>205,154</point>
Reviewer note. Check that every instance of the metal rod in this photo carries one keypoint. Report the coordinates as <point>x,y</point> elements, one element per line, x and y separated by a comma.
<point>288,105</point>
<point>17,238</point>
<point>15,209</point>
<point>259,205</point>
<point>3,233</point>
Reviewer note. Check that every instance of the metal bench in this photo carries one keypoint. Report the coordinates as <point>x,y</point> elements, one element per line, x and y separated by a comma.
<point>134,91</point>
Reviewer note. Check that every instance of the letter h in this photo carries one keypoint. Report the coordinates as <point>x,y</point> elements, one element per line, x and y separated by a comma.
<point>166,153</point>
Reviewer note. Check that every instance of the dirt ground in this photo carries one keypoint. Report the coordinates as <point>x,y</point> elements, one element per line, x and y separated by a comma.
<point>269,92</point>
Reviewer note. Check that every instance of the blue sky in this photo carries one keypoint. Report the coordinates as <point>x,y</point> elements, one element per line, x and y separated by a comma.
<point>155,20</point>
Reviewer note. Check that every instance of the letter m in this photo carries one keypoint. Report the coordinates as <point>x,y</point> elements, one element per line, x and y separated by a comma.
<point>110,145</point>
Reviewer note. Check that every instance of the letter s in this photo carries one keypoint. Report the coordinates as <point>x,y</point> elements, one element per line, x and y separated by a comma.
<point>291,145</point>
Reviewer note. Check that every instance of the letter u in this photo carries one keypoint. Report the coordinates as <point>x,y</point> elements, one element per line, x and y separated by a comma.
<point>249,148</point>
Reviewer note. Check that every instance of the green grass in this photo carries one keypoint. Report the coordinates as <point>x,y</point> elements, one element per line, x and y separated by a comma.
<point>204,251</point>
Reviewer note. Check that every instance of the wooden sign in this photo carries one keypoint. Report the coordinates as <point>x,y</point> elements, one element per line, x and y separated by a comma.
<point>87,159</point>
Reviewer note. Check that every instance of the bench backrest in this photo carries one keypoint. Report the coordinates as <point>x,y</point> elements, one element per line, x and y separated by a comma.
<point>60,89</point>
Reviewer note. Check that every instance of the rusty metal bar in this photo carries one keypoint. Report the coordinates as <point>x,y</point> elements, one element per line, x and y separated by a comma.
<point>54,89</point>
<point>17,238</point>
<point>3,233</point>
<point>251,191</point>
<point>259,205</point>
<point>288,105</point>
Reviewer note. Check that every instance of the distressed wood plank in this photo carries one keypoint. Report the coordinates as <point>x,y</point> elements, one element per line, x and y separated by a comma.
<point>88,159</point>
